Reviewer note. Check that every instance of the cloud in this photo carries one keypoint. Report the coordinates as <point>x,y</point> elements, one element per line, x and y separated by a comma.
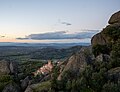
<point>61,35</point>
<point>66,23</point>
<point>1,36</point>
<point>19,38</point>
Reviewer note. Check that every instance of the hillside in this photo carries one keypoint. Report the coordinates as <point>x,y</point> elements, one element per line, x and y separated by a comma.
<point>19,52</point>
<point>94,68</point>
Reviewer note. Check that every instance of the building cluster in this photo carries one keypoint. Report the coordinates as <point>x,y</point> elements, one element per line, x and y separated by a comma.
<point>45,69</point>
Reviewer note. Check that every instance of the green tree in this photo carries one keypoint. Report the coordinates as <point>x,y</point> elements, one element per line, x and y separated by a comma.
<point>101,49</point>
<point>115,55</point>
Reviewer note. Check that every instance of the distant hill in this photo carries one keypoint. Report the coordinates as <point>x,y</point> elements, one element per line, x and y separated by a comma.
<point>37,52</point>
<point>43,44</point>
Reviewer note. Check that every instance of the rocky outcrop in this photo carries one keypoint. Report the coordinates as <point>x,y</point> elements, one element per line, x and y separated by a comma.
<point>46,78</point>
<point>103,39</point>
<point>7,67</point>
<point>98,39</point>
<point>24,83</point>
<point>13,67</point>
<point>39,87</point>
<point>103,58</point>
<point>4,67</point>
<point>12,87</point>
<point>77,62</point>
<point>29,89</point>
<point>114,74</point>
<point>115,18</point>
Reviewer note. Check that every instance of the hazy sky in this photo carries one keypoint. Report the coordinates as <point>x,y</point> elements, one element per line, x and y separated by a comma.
<point>20,18</point>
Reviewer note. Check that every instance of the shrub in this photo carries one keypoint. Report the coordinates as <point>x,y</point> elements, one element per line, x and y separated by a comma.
<point>111,87</point>
<point>115,55</point>
<point>43,87</point>
<point>4,80</point>
<point>101,49</point>
<point>113,32</point>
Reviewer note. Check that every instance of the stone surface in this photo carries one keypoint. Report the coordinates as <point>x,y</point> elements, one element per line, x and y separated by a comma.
<point>103,39</point>
<point>46,78</point>
<point>13,67</point>
<point>4,67</point>
<point>77,62</point>
<point>103,58</point>
<point>29,89</point>
<point>39,87</point>
<point>115,18</point>
<point>12,87</point>
<point>98,39</point>
<point>7,67</point>
<point>24,83</point>
<point>114,74</point>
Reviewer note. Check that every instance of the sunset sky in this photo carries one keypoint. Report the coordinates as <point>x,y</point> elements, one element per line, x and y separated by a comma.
<point>60,20</point>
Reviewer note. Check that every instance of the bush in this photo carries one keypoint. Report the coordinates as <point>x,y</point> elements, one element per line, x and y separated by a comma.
<point>43,87</point>
<point>115,55</point>
<point>111,87</point>
<point>113,32</point>
<point>101,49</point>
<point>4,80</point>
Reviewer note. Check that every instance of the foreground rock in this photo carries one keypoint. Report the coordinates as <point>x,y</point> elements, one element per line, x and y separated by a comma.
<point>78,62</point>
<point>103,58</point>
<point>98,39</point>
<point>7,67</point>
<point>13,67</point>
<point>12,87</point>
<point>101,38</point>
<point>29,89</point>
<point>4,67</point>
<point>25,83</point>
<point>39,87</point>
<point>114,74</point>
<point>115,18</point>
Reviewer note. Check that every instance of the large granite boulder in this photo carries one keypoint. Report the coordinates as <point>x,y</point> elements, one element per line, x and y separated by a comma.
<point>77,62</point>
<point>98,39</point>
<point>29,89</point>
<point>46,78</point>
<point>13,67</point>
<point>103,58</point>
<point>4,67</point>
<point>7,67</point>
<point>114,74</point>
<point>25,83</point>
<point>115,18</point>
<point>12,87</point>
<point>39,87</point>
<point>102,38</point>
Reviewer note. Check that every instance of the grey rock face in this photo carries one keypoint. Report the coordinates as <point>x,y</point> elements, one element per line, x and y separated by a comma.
<point>98,39</point>
<point>25,82</point>
<point>13,67</point>
<point>103,58</point>
<point>77,62</point>
<point>12,87</point>
<point>115,18</point>
<point>4,67</point>
<point>7,67</point>
<point>114,74</point>
<point>29,89</point>
<point>101,38</point>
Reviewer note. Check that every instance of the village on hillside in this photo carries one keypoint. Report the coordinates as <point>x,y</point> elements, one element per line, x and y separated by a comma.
<point>46,68</point>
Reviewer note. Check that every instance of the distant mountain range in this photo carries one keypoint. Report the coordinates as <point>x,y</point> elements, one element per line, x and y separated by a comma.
<point>43,44</point>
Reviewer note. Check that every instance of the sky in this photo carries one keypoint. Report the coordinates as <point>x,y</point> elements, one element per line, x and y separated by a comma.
<point>54,20</point>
